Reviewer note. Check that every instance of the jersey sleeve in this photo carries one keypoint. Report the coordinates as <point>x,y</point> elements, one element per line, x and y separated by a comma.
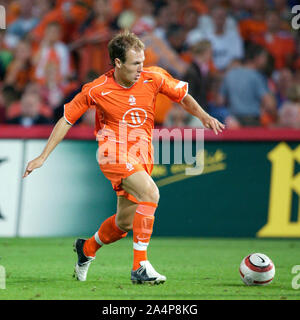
<point>78,106</point>
<point>175,89</point>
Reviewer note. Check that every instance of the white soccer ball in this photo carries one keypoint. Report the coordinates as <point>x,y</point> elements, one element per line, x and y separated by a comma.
<point>257,269</point>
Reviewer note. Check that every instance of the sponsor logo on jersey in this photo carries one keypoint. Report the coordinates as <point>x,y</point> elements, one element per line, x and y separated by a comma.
<point>135,117</point>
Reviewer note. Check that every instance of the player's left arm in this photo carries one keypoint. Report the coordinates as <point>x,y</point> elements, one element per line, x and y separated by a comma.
<point>192,107</point>
<point>177,91</point>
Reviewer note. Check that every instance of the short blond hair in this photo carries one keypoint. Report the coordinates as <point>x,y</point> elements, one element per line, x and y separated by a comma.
<point>121,43</point>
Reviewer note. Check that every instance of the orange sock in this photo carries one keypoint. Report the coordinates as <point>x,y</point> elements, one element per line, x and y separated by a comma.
<point>108,232</point>
<point>142,231</point>
<point>90,247</point>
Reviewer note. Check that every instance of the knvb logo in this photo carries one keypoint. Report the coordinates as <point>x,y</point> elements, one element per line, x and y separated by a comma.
<point>2,18</point>
<point>296,18</point>
<point>132,100</point>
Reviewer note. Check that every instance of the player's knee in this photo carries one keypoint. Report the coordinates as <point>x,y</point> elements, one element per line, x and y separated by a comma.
<point>125,226</point>
<point>151,194</point>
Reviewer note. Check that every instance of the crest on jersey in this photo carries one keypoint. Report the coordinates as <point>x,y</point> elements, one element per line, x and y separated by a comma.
<point>132,100</point>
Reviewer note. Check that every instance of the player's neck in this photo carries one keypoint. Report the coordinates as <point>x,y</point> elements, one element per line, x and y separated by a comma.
<point>121,81</point>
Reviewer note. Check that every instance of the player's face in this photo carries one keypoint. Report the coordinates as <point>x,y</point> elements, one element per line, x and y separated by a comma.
<point>131,69</point>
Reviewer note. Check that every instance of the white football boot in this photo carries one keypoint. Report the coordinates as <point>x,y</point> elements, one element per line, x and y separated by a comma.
<point>83,263</point>
<point>146,274</point>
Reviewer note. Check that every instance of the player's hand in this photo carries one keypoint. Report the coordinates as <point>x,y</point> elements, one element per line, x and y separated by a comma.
<point>212,123</point>
<point>33,164</point>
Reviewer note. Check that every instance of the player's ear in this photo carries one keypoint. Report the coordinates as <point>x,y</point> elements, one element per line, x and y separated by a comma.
<point>118,63</point>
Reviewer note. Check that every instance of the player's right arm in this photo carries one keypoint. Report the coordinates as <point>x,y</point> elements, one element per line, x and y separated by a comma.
<point>72,112</point>
<point>58,133</point>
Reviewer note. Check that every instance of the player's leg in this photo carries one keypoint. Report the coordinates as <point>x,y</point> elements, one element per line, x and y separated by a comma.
<point>125,213</point>
<point>108,232</point>
<point>142,187</point>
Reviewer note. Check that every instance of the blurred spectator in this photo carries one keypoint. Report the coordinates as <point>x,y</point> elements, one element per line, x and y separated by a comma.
<point>206,24</point>
<point>20,71</point>
<point>5,55</point>
<point>12,11</point>
<point>284,12</point>
<point>284,81</point>
<point>163,20</point>
<point>297,73</point>
<point>30,112</point>
<point>146,21</point>
<point>69,14</point>
<point>190,24</point>
<point>198,74</point>
<point>218,111</point>
<point>176,37</point>
<point>255,24</point>
<point>18,29</point>
<point>52,53</point>
<point>42,7</point>
<point>237,10</point>
<point>279,44</point>
<point>58,42</point>
<point>53,89</point>
<point>244,90</point>
<point>2,114</point>
<point>13,110</point>
<point>164,55</point>
<point>177,117</point>
<point>91,45</point>
<point>8,95</point>
<point>226,43</point>
<point>139,17</point>
<point>289,114</point>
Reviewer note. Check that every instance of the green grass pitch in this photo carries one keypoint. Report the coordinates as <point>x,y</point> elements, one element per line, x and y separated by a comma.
<point>196,269</point>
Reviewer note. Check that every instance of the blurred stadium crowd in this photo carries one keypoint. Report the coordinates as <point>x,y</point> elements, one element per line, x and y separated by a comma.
<point>240,57</point>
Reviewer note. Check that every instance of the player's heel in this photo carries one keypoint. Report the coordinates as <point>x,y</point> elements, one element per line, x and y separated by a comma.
<point>83,263</point>
<point>146,275</point>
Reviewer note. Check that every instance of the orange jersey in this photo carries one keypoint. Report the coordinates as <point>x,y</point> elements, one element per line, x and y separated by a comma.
<point>125,115</point>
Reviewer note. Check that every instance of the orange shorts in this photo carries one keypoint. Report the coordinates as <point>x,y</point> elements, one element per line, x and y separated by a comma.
<point>116,172</point>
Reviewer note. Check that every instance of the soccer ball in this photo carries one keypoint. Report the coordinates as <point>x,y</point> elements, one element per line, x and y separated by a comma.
<point>257,269</point>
